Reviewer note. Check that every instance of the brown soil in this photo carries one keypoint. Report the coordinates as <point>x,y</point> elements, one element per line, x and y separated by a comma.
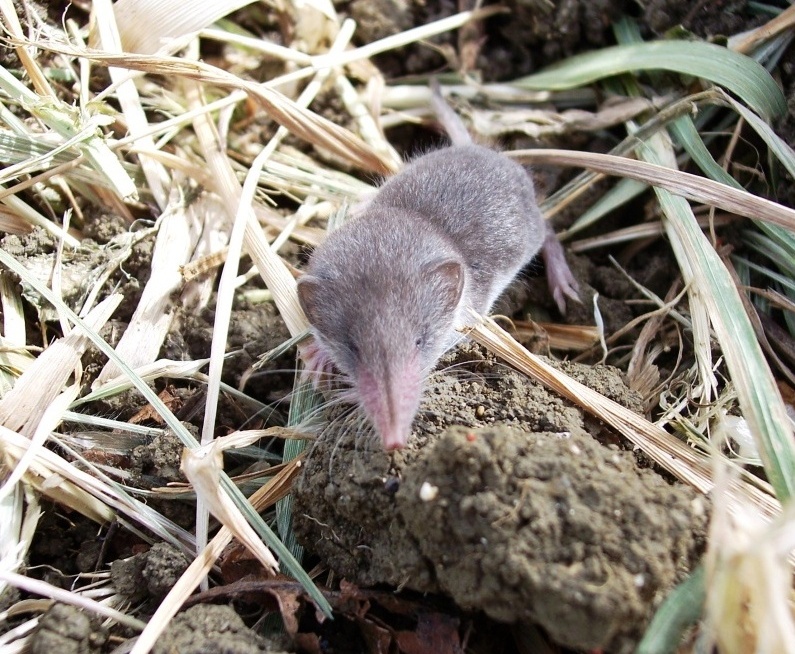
<point>508,501</point>
<point>150,574</point>
<point>67,630</point>
<point>210,628</point>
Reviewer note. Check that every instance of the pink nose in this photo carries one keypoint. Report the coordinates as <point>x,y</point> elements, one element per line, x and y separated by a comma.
<point>391,402</point>
<point>392,439</point>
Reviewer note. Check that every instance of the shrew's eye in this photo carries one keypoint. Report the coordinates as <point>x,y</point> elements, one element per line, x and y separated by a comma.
<point>422,340</point>
<point>353,349</point>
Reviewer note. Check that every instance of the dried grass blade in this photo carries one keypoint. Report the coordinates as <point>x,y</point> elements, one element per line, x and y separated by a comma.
<point>270,266</point>
<point>208,210</point>
<point>692,187</point>
<point>301,122</point>
<point>403,38</point>
<point>283,286</point>
<point>12,641</point>
<point>55,478</point>
<point>293,448</point>
<point>177,236</point>
<point>179,429</point>
<point>31,66</point>
<point>30,155</point>
<point>641,231</point>
<point>368,124</point>
<point>92,495</point>
<point>149,372</point>
<point>748,41</point>
<point>127,94</point>
<point>23,406</point>
<point>180,591</point>
<point>541,123</point>
<point>202,467</point>
<point>19,514</point>
<point>229,273</point>
<point>749,568</point>
<point>12,224</point>
<point>50,419</point>
<point>79,600</point>
<point>147,25</point>
<point>66,122</point>
<point>243,225</point>
<point>15,359</point>
<point>266,48</point>
<point>22,210</point>
<point>673,455</point>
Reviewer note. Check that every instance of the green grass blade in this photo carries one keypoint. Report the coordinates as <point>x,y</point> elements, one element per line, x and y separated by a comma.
<point>758,395</point>
<point>623,191</point>
<point>782,241</point>
<point>740,74</point>
<point>785,239</point>
<point>782,151</point>
<point>627,189</point>
<point>682,608</point>
<point>305,401</point>
<point>787,283</point>
<point>67,122</point>
<point>769,248</point>
<point>685,133</point>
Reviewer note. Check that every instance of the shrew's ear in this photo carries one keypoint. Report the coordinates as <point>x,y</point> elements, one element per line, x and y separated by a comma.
<point>310,296</point>
<point>449,275</point>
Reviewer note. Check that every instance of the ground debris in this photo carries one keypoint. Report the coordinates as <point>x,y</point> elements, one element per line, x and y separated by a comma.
<point>536,515</point>
<point>66,630</point>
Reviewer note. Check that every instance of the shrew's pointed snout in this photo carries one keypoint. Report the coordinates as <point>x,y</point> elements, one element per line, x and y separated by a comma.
<point>394,439</point>
<point>391,400</point>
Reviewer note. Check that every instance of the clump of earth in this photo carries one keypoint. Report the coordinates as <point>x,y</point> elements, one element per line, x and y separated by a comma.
<point>148,574</point>
<point>508,501</point>
<point>210,628</point>
<point>67,630</point>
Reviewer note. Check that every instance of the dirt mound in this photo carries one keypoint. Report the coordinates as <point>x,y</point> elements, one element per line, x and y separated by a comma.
<point>522,514</point>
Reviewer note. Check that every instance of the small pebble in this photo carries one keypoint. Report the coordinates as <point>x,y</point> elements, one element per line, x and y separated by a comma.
<point>428,492</point>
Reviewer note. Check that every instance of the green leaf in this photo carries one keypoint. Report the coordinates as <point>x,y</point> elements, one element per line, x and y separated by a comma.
<point>684,131</point>
<point>304,403</point>
<point>617,196</point>
<point>769,247</point>
<point>787,283</point>
<point>736,72</point>
<point>680,609</point>
<point>780,148</point>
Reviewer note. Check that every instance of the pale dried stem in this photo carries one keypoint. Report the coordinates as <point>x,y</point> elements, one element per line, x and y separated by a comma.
<point>664,449</point>
<point>692,187</point>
